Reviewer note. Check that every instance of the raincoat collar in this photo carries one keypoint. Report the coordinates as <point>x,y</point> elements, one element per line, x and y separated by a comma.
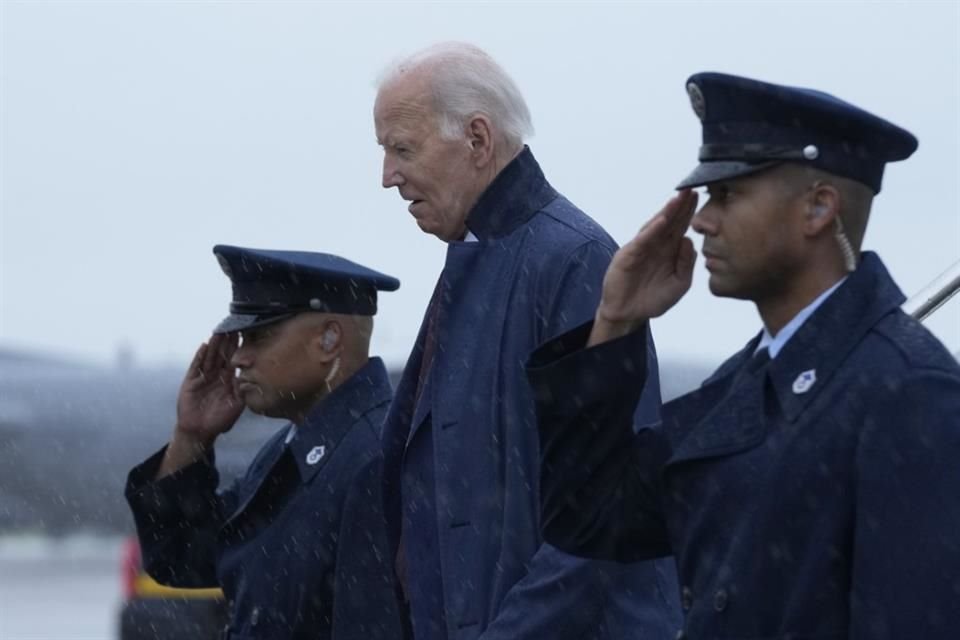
<point>514,196</point>
<point>774,344</point>
<point>735,421</point>
<point>330,421</point>
<point>823,342</point>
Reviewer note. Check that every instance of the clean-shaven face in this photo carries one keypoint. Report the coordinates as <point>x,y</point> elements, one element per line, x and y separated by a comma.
<point>751,236</point>
<point>275,371</point>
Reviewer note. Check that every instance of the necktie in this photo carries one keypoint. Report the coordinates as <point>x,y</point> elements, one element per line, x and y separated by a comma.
<point>759,360</point>
<point>429,339</point>
<point>426,361</point>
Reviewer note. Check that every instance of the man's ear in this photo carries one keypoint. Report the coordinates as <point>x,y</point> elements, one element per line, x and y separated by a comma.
<point>480,139</point>
<point>823,207</point>
<point>328,342</point>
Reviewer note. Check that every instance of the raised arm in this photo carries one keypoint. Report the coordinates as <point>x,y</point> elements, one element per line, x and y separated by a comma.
<point>173,494</point>
<point>563,595</point>
<point>207,404</point>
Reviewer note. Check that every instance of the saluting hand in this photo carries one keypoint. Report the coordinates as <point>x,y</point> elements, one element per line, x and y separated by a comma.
<point>649,274</point>
<point>208,404</point>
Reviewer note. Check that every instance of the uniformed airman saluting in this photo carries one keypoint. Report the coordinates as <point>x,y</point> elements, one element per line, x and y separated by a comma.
<point>297,544</point>
<point>811,487</point>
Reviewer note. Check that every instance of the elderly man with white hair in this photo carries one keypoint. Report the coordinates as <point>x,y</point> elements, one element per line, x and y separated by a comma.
<point>460,441</point>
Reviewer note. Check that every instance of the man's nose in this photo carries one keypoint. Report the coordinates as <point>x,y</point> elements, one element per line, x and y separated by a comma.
<point>704,222</point>
<point>391,177</point>
<point>241,357</point>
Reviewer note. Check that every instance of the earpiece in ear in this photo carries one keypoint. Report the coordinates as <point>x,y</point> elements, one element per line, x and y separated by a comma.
<point>329,339</point>
<point>819,210</point>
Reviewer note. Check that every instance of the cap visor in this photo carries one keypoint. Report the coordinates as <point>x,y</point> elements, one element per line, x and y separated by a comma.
<point>708,172</point>
<point>239,322</point>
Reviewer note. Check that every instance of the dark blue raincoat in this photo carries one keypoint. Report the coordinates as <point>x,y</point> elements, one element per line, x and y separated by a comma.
<point>461,466</point>
<point>298,544</point>
<point>816,497</point>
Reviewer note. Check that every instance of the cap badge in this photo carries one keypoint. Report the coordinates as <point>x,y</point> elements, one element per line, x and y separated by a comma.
<point>697,101</point>
<point>225,265</point>
<point>316,454</point>
<point>804,381</point>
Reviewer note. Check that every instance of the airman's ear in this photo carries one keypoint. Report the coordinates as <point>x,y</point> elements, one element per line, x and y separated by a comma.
<point>823,207</point>
<point>329,342</point>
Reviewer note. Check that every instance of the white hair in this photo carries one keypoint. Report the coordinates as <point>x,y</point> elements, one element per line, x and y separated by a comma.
<point>466,81</point>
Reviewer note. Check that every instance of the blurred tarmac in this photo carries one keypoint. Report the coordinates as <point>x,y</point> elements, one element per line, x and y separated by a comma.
<point>59,588</point>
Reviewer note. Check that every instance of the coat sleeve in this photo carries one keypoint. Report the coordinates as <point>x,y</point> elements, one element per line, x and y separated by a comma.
<point>566,596</point>
<point>366,599</point>
<point>906,549</point>
<point>177,519</point>
<point>599,487</point>
<point>574,301</point>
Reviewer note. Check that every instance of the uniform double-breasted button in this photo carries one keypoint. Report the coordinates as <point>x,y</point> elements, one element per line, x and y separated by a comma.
<point>254,616</point>
<point>686,598</point>
<point>720,600</point>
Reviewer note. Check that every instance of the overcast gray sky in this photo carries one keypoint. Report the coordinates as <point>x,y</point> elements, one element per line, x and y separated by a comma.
<point>136,135</point>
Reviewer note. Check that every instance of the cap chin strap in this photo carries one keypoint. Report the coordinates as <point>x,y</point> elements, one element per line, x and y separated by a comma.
<point>333,372</point>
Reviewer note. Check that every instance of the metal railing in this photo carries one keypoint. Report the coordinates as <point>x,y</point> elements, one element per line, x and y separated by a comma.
<point>935,294</point>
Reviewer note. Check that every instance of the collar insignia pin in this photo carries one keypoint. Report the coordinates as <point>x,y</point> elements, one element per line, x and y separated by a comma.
<point>316,454</point>
<point>804,381</point>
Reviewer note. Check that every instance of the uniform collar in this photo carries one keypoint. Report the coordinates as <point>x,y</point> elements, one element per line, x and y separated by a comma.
<point>329,422</point>
<point>514,196</point>
<point>775,344</point>
<point>823,342</point>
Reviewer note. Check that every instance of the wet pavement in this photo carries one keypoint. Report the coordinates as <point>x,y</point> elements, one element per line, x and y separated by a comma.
<point>59,589</point>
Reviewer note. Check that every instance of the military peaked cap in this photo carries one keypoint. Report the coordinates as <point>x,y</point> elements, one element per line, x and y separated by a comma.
<point>750,125</point>
<point>270,285</point>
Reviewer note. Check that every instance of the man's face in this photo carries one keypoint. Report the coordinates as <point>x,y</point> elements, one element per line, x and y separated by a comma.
<point>275,371</point>
<point>752,238</point>
<point>437,176</point>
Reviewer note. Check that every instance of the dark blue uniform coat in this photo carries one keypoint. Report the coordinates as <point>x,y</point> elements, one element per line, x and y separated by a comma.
<point>462,466</point>
<point>298,544</point>
<point>816,497</point>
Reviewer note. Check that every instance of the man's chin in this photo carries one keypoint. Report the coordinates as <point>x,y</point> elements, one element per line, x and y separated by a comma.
<point>429,224</point>
<point>721,288</point>
<point>256,402</point>
<point>267,411</point>
<point>428,227</point>
<point>442,233</point>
